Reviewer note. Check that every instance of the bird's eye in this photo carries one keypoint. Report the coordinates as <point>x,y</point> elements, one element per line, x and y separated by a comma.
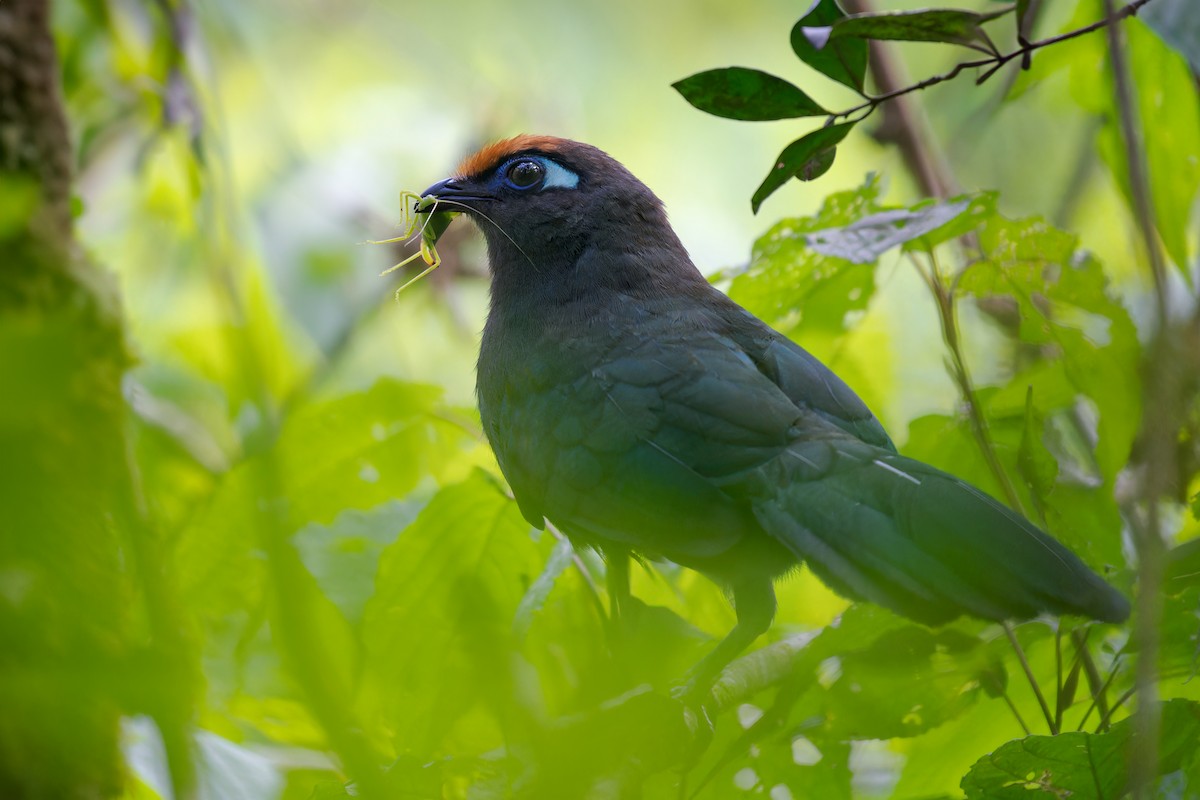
<point>525,174</point>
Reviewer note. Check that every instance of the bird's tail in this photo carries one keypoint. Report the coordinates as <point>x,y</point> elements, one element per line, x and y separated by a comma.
<point>880,527</point>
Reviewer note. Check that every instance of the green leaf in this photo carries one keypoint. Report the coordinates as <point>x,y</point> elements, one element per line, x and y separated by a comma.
<point>1180,635</point>
<point>746,94</point>
<point>807,158</point>
<point>845,60</point>
<point>1183,566</point>
<point>866,239</point>
<point>539,590</point>
<point>1168,109</point>
<point>1066,310</point>
<point>796,289</point>
<point>344,555</point>
<point>949,26</point>
<point>352,452</point>
<point>1079,764</point>
<point>809,766</point>
<point>880,676</point>
<point>1023,18</point>
<point>980,208</point>
<point>1177,24</point>
<point>439,629</point>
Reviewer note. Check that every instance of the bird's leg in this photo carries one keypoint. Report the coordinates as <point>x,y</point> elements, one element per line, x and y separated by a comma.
<point>617,579</point>
<point>754,602</point>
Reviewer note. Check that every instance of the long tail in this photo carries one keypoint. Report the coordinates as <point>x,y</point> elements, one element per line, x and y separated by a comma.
<point>880,527</point>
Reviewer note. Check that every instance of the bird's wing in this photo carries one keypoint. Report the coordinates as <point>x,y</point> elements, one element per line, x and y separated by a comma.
<point>636,449</point>
<point>806,381</point>
<point>881,527</point>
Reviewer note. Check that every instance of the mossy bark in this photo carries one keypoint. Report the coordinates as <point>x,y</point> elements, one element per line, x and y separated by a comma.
<point>65,593</point>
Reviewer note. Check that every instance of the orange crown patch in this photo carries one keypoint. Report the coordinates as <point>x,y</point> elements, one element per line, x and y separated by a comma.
<point>496,152</point>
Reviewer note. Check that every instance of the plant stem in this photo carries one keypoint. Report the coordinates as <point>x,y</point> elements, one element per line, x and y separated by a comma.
<point>1013,707</point>
<point>1037,690</point>
<point>944,297</point>
<point>1161,410</point>
<point>1099,695</point>
<point>1102,725</point>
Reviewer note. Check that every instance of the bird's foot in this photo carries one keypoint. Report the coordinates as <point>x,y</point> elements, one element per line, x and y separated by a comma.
<point>696,716</point>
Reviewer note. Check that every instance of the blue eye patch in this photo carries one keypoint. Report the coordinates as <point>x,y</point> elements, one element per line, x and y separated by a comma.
<point>535,172</point>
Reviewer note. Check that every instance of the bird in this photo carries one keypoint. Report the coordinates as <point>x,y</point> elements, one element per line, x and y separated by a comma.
<point>643,412</point>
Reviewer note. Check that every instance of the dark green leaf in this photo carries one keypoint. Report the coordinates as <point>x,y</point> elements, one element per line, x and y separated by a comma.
<point>807,158</point>
<point>438,630</point>
<point>950,26</point>
<point>1168,108</point>
<point>1178,24</point>
<point>1079,764</point>
<point>873,674</point>
<point>344,555</point>
<point>746,94</point>
<point>845,60</point>
<point>539,590</point>
<point>1180,656</point>
<point>1183,566</point>
<point>1023,18</point>
<point>866,239</point>
<point>356,451</point>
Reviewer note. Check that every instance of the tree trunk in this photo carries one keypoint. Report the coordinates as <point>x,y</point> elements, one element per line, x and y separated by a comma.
<point>64,581</point>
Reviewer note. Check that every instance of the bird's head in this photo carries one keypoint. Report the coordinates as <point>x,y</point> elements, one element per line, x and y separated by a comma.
<point>546,204</point>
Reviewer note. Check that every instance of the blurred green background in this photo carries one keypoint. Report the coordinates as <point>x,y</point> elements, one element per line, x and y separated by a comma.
<point>345,586</point>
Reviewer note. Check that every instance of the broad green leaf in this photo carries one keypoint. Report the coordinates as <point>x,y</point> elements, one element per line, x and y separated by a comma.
<point>879,676</point>
<point>1168,109</point>
<point>439,628</point>
<point>794,288</point>
<point>1023,18</point>
<point>980,208</point>
<point>746,94</point>
<point>1183,566</point>
<point>845,60</point>
<point>1067,310</point>
<point>1068,315</point>
<point>343,556</point>
<point>1179,659</point>
<point>1077,764</point>
<point>1177,24</point>
<point>866,239</point>
<point>352,452</point>
<point>539,590</point>
<point>807,765</point>
<point>807,158</point>
<point>950,26</point>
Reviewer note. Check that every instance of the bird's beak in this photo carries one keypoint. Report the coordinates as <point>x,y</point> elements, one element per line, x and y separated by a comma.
<point>456,189</point>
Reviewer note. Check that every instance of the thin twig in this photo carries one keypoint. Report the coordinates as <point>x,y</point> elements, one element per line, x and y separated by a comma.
<point>944,297</point>
<point>1013,707</point>
<point>993,62</point>
<point>1104,721</point>
<point>1037,690</point>
<point>1058,677</point>
<point>593,589</point>
<point>1098,696</point>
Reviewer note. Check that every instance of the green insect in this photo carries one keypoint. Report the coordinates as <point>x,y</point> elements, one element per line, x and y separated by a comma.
<point>431,230</point>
